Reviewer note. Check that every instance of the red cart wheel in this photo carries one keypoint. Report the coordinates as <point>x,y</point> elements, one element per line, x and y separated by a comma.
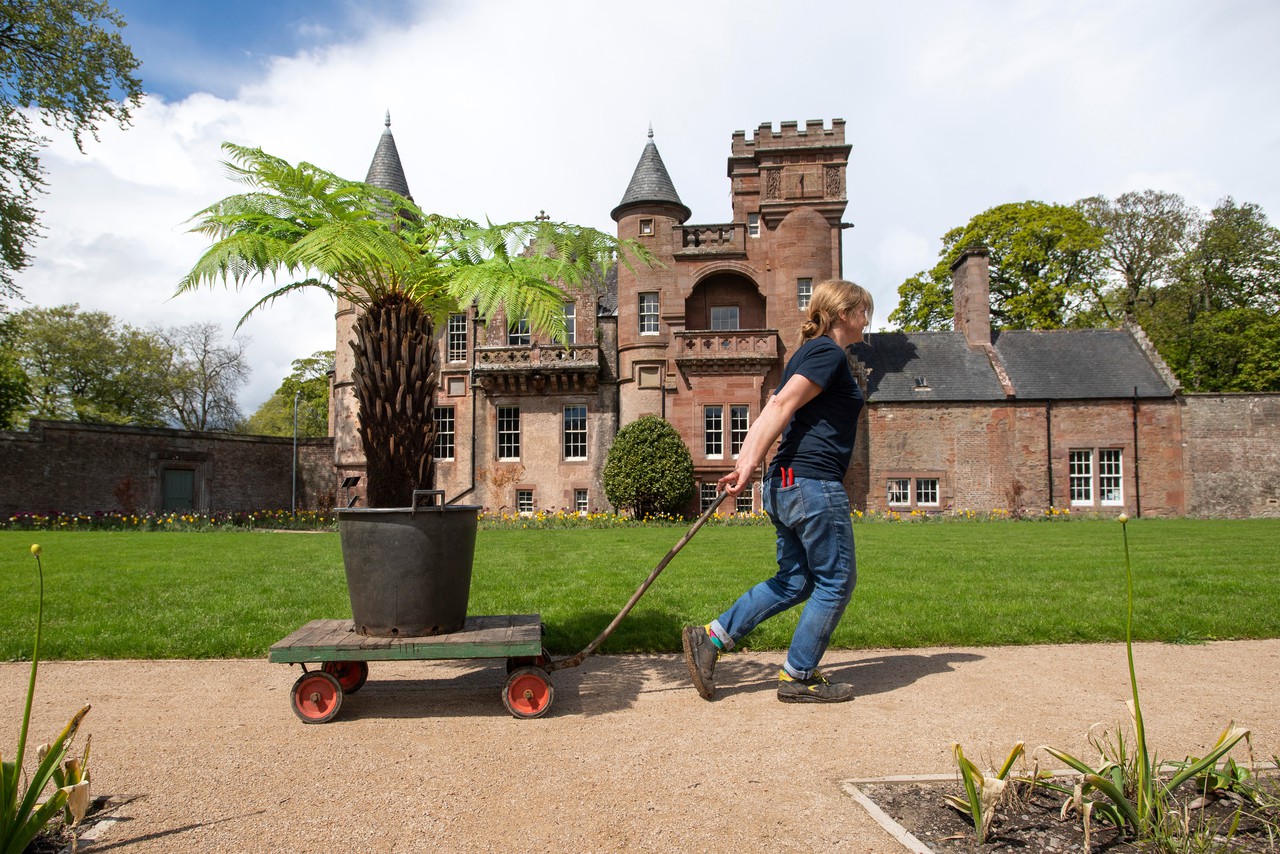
<point>317,696</point>
<point>528,693</point>
<point>350,674</point>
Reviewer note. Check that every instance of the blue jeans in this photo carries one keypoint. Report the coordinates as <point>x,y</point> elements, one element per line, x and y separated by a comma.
<point>815,563</point>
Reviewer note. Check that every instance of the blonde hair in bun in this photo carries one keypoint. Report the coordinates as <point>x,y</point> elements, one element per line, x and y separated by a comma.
<point>830,298</point>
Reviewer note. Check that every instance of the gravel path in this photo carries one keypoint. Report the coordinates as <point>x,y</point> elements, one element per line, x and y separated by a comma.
<point>208,756</point>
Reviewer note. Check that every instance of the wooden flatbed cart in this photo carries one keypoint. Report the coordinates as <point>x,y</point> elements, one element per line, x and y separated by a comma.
<point>344,654</point>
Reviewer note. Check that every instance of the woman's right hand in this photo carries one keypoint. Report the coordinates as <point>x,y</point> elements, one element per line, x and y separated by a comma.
<point>736,481</point>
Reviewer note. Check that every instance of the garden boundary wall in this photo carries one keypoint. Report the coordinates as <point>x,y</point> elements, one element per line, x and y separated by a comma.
<point>1232,449</point>
<point>1227,459</point>
<point>65,467</point>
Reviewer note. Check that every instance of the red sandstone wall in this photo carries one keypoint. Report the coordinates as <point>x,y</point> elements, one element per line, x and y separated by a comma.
<point>998,456</point>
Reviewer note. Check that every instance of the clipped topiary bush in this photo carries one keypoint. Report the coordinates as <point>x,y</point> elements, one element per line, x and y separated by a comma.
<point>648,470</point>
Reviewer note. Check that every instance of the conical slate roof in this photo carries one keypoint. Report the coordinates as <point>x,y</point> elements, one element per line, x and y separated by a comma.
<point>650,184</point>
<point>385,171</point>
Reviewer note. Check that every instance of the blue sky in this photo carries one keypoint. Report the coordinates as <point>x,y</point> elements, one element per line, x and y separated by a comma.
<point>503,108</point>
<point>191,46</point>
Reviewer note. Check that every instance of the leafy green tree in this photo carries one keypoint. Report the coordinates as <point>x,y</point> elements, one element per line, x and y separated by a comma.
<point>404,269</point>
<point>648,469</point>
<point>1243,352</point>
<point>20,181</point>
<point>15,388</point>
<point>65,61</point>
<point>1144,235</point>
<point>1259,368</point>
<point>309,381</point>
<point>1045,261</point>
<point>1216,324</point>
<point>1205,289</point>
<point>1236,261</point>
<point>85,366</point>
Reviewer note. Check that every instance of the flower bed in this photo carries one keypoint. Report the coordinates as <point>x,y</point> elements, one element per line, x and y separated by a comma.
<point>326,520</point>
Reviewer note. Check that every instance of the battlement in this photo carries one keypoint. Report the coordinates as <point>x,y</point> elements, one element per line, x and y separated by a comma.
<point>810,134</point>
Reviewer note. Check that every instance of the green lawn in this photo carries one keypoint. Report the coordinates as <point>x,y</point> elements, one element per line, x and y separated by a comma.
<point>192,595</point>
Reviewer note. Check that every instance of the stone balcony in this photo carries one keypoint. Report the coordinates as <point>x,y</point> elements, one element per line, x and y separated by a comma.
<point>725,351</point>
<point>702,241</point>
<point>537,369</point>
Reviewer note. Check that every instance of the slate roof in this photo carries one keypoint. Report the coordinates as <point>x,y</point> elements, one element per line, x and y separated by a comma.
<point>386,171</point>
<point>950,369</point>
<point>651,183</point>
<point>607,304</point>
<point>1064,364</point>
<point>1073,364</point>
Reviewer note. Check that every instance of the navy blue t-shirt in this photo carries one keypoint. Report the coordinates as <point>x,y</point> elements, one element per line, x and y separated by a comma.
<point>819,441</point>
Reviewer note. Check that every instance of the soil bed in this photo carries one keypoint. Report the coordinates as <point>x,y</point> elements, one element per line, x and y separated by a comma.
<point>1034,823</point>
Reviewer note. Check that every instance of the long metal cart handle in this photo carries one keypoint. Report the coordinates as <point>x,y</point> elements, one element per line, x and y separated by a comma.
<point>575,660</point>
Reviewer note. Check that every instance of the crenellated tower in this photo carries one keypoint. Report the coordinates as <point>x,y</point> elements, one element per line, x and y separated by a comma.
<point>797,166</point>
<point>703,337</point>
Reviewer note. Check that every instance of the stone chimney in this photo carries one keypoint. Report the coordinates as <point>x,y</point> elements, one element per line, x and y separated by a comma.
<point>971,295</point>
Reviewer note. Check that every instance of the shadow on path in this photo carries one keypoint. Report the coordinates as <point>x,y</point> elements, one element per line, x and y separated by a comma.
<point>877,675</point>
<point>94,845</point>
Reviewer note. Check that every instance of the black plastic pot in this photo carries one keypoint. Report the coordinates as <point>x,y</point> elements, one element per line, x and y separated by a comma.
<point>409,568</point>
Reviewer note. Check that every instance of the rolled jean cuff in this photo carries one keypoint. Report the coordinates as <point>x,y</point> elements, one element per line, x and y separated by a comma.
<point>718,632</point>
<point>794,673</point>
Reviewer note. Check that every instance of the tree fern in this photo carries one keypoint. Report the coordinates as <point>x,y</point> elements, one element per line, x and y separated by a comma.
<point>406,269</point>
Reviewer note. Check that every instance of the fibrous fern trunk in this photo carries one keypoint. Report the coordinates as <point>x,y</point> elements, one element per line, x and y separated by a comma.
<point>395,385</point>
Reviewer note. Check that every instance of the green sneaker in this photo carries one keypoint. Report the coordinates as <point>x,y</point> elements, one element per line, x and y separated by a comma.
<point>700,655</point>
<point>815,689</point>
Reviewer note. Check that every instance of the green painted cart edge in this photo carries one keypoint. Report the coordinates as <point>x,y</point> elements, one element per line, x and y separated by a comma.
<point>502,636</point>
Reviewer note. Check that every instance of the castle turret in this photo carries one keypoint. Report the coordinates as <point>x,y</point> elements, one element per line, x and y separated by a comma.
<point>651,187</point>
<point>649,302</point>
<point>385,172</point>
